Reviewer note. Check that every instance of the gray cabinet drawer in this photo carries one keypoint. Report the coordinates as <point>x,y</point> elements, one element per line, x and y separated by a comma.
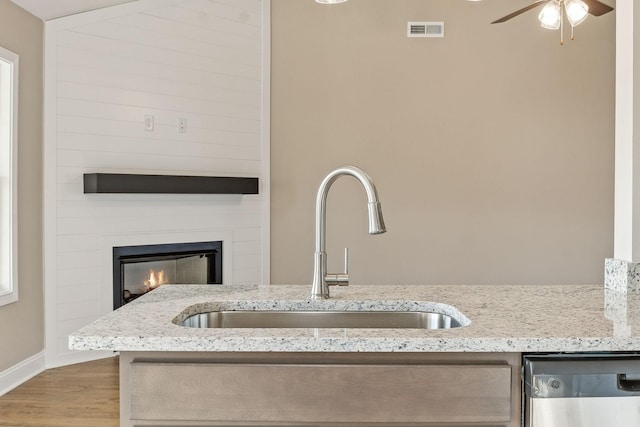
<point>333,393</point>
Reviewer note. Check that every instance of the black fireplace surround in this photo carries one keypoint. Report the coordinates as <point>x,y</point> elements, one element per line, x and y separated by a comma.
<point>207,254</point>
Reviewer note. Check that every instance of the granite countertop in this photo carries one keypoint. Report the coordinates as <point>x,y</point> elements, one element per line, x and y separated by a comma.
<point>497,318</point>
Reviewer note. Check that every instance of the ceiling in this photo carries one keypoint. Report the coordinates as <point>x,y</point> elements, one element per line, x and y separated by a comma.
<point>48,9</point>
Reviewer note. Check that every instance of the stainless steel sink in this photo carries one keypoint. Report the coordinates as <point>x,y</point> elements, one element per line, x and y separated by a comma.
<point>321,319</point>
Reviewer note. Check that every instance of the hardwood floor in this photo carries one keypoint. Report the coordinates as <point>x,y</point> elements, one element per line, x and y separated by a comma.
<point>86,394</point>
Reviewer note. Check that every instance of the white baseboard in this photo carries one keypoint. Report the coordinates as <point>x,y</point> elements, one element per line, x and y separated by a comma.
<point>75,357</point>
<point>23,371</point>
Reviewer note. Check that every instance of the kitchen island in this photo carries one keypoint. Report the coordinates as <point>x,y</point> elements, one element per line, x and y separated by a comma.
<point>469,375</point>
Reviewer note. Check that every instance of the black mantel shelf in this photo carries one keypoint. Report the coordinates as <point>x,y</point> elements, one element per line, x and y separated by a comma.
<point>167,184</point>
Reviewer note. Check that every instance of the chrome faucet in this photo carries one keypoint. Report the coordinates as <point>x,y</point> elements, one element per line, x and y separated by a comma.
<point>322,280</point>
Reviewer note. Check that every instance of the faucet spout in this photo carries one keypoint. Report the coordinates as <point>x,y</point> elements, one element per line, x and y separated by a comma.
<point>320,288</point>
<point>376,222</point>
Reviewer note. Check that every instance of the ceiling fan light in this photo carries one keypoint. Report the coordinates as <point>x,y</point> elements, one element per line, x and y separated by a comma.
<point>551,15</point>
<point>577,11</point>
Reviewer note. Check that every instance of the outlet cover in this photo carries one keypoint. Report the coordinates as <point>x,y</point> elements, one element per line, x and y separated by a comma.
<point>182,125</point>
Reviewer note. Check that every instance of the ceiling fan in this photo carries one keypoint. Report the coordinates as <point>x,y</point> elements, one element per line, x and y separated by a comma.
<point>552,14</point>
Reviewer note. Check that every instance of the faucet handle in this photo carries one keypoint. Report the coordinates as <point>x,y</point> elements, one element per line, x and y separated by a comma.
<point>346,261</point>
<point>340,279</point>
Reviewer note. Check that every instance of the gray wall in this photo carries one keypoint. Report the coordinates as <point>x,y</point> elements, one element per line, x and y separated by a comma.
<point>492,148</point>
<point>21,323</point>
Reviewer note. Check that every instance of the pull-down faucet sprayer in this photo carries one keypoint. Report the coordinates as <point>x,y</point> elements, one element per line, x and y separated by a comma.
<point>322,280</point>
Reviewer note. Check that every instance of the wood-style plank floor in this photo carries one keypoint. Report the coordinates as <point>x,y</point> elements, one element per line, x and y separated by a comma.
<point>85,395</point>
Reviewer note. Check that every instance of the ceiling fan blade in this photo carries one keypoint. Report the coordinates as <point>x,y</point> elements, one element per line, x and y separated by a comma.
<point>597,8</point>
<point>525,9</point>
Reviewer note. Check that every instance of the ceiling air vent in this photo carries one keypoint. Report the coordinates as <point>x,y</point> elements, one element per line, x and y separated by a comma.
<point>425,29</point>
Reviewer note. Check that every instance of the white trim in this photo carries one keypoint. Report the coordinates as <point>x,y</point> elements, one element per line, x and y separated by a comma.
<point>266,142</point>
<point>624,135</point>
<point>79,357</point>
<point>9,291</point>
<point>50,192</point>
<point>9,296</point>
<point>21,372</point>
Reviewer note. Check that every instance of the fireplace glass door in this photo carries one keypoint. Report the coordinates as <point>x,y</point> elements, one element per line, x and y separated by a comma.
<point>140,269</point>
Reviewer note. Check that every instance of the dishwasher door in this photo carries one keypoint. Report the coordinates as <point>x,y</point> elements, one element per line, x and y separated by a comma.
<point>582,391</point>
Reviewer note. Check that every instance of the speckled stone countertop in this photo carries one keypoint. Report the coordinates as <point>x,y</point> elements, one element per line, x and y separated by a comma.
<point>497,319</point>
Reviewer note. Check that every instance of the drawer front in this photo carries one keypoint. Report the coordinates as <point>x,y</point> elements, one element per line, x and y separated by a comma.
<point>255,393</point>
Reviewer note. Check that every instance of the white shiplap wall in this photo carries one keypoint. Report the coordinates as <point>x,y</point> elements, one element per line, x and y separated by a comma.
<point>203,60</point>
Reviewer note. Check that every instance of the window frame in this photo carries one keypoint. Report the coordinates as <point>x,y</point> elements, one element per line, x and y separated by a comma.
<point>8,168</point>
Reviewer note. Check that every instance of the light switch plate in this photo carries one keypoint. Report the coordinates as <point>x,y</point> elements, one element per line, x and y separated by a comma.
<point>148,122</point>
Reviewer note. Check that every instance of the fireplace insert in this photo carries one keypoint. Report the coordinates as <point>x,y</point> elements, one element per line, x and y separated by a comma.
<point>140,269</point>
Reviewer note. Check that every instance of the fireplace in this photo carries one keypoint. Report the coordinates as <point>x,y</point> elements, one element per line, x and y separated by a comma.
<point>140,269</point>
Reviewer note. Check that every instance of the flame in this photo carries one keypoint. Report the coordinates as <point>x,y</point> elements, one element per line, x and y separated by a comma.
<point>155,280</point>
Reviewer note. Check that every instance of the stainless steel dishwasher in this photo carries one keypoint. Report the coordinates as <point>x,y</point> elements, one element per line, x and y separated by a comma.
<point>588,390</point>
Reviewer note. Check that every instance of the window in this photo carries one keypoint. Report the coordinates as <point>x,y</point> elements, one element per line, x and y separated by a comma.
<point>8,181</point>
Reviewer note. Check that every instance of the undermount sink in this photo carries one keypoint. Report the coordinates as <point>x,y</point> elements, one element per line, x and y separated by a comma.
<point>321,319</point>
